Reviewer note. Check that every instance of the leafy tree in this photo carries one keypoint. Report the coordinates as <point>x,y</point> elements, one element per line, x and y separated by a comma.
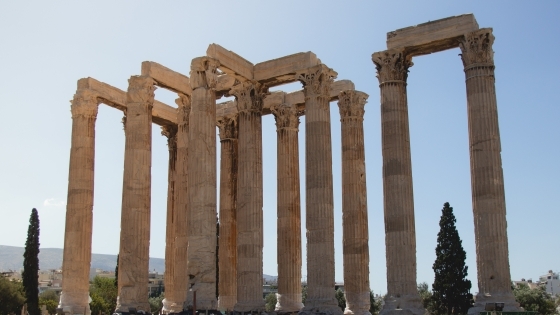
<point>451,288</point>
<point>50,299</point>
<point>30,275</point>
<point>340,298</point>
<point>103,294</point>
<point>425,295</point>
<point>374,304</point>
<point>156,303</point>
<point>12,296</point>
<point>536,300</point>
<point>303,294</point>
<point>117,273</point>
<point>270,302</point>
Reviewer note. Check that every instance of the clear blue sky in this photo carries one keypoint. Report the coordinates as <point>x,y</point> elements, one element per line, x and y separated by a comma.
<point>45,47</point>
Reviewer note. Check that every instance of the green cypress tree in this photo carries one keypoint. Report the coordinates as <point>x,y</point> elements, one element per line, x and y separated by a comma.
<point>30,275</point>
<point>451,289</point>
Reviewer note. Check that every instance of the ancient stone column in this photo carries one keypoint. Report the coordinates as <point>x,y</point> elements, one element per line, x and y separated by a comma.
<point>487,179</point>
<point>355,248</point>
<point>249,96</point>
<point>175,296</point>
<point>319,191</point>
<point>170,131</point>
<point>79,207</point>
<point>227,249</point>
<point>398,202</point>
<point>201,163</point>
<point>289,209</point>
<point>136,201</point>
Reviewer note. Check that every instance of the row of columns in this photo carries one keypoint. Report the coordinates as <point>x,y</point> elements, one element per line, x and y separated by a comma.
<point>486,177</point>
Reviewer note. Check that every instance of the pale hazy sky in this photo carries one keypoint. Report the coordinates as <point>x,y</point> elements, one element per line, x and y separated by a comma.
<point>45,47</point>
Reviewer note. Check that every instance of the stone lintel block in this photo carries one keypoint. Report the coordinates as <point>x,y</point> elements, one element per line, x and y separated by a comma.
<point>162,114</point>
<point>433,36</point>
<point>224,83</point>
<point>167,78</point>
<point>283,70</point>
<point>231,63</point>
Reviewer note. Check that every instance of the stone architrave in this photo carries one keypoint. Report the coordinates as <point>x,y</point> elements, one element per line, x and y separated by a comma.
<point>201,163</point>
<point>227,249</point>
<point>317,82</point>
<point>79,207</point>
<point>355,248</point>
<point>289,209</point>
<point>135,216</point>
<point>175,296</point>
<point>487,179</point>
<point>398,203</point>
<point>249,96</point>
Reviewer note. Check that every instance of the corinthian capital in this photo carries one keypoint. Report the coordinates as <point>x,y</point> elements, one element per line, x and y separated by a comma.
<point>317,80</point>
<point>351,104</point>
<point>183,111</point>
<point>249,96</point>
<point>286,116</point>
<point>84,104</point>
<point>228,127</point>
<point>476,47</point>
<point>141,90</point>
<point>204,73</point>
<point>170,131</point>
<point>391,65</point>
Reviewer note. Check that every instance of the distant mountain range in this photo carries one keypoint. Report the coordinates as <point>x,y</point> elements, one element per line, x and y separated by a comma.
<point>11,258</point>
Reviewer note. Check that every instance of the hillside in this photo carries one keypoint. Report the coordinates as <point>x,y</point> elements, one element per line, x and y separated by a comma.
<point>11,258</point>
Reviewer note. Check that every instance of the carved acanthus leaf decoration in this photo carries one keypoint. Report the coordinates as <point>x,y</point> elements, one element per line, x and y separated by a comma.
<point>476,47</point>
<point>317,80</point>
<point>204,73</point>
<point>84,104</point>
<point>286,116</point>
<point>228,127</point>
<point>183,111</point>
<point>391,65</point>
<point>170,131</point>
<point>141,90</point>
<point>351,103</point>
<point>249,96</point>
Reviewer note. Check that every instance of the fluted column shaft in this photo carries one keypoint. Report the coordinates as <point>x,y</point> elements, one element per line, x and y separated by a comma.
<point>170,132</point>
<point>227,249</point>
<point>319,191</point>
<point>135,217</point>
<point>289,209</point>
<point>400,236</point>
<point>355,236</point>
<point>487,180</point>
<point>249,96</point>
<point>201,163</point>
<point>79,206</point>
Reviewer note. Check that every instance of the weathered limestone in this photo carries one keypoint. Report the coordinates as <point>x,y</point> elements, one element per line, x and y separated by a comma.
<point>284,70</point>
<point>231,63</point>
<point>201,163</point>
<point>249,96</point>
<point>400,236</point>
<point>170,132</point>
<point>319,191</point>
<point>135,216</point>
<point>227,249</point>
<point>79,207</point>
<point>433,36</point>
<point>487,179</point>
<point>167,78</point>
<point>289,209</point>
<point>176,294</point>
<point>354,203</point>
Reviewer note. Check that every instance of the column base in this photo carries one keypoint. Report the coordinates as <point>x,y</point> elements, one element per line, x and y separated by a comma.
<point>125,308</point>
<point>403,305</point>
<point>357,303</point>
<point>74,302</point>
<point>226,302</point>
<point>171,307</point>
<point>323,307</point>
<point>288,303</point>
<point>255,307</point>
<point>510,305</point>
